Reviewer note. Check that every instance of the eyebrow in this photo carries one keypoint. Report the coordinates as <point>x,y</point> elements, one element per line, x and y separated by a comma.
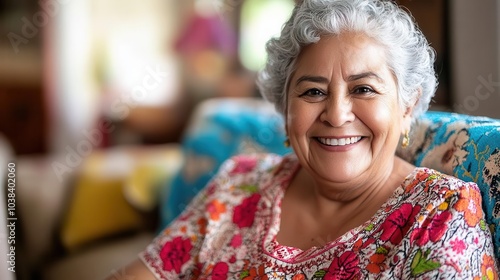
<point>323,80</point>
<point>365,75</point>
<point>315,79</point>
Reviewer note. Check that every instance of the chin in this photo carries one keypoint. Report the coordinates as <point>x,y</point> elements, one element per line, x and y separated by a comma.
<point>341,174</point>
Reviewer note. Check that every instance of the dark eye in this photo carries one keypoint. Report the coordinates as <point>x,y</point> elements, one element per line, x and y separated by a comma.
<point>314,92</point>
<point>313,95</point>
<point>363,90</point>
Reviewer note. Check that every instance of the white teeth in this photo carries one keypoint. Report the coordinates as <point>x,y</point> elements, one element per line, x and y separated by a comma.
<point>339,142</point>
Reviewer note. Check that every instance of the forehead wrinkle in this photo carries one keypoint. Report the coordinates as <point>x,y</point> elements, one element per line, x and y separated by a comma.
<point>352,62</point>
<point>368,74</point>
<point>312,78</point>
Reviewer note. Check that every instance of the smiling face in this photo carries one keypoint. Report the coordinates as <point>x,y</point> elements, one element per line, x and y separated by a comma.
<point>343,116</point>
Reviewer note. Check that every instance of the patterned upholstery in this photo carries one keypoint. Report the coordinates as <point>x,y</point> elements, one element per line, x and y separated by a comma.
<point>464,146</point>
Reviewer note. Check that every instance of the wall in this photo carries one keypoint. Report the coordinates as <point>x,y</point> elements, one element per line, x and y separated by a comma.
<point>101,53</point>
<point>475,56</point>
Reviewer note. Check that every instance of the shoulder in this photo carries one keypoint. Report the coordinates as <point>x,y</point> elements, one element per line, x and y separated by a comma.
<point>243,176</point>
<point>248,163</point>
<point>435,190</point>
<point>431,181</point>
<point>449,225</point>
<point>254,169</point>
<point>445,199</point>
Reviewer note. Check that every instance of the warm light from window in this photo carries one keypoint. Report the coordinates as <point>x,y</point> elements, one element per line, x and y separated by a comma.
<point>260,21</point>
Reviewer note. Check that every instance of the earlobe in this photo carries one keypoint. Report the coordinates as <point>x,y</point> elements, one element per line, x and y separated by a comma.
<point>407,119</point>
<point>408,114</point>
<point>406,125</point>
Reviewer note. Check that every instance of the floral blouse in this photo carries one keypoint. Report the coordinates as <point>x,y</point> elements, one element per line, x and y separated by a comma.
<point>432,227</point>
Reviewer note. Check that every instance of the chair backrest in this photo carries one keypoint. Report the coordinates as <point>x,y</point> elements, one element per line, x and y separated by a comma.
<point>466,147</point>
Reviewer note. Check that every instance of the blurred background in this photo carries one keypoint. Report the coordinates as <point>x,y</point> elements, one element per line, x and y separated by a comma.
<point>85,77</point>
<point>66,65</point>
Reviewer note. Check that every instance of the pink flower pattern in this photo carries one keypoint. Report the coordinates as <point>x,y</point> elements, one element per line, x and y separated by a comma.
<point>458,245</point>
<point>236,241</point>
<point>244,213</point>
<point>344,267</point>
<point>410,235</point>
<point>175,253</point>
<point>219,271</point>
<point>398,223</point>
<point>432,230</point>
<point>244,165</point>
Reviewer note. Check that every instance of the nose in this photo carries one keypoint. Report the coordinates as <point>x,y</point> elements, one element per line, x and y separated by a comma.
<point>337,111</point>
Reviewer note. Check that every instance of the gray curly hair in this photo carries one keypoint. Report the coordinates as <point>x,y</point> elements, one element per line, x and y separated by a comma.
<point>410,57</point>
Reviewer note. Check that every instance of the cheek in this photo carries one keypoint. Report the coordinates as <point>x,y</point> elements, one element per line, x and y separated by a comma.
<point>383,116</point>
<point>380,117</point>
<point>299,118</point>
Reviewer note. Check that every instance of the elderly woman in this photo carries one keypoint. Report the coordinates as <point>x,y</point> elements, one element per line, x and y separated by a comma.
<point>349,76</point>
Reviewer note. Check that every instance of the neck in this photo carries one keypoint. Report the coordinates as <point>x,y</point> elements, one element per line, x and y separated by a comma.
<point>315,212</point>
<point>362,196</point>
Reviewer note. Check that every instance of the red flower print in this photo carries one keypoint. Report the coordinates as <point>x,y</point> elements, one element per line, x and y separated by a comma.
<point>432,230</point>
<point>175,253</point>
<point>202,226</point>
<point>299,277</point>
<point>458,245</point>
<point>244,213</point>
<point>376,264</point>
<point>219,272</point>
<point>360,244</point>
<point>398,223</point>
<point>344,267</point>
<point>243,165</point>
<point>419,177</point>
<point>236,241</point>
<point>195,274</point>
<point>357,245</point>
<point>256,273</point>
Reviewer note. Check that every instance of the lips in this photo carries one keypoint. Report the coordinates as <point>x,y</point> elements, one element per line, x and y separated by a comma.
<point>339,141</point>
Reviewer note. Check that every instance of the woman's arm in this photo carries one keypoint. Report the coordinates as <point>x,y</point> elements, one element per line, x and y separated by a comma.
<point>135,270</point>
